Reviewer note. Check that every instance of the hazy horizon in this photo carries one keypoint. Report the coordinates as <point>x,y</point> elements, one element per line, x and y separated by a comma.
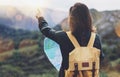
<point>64,5</point>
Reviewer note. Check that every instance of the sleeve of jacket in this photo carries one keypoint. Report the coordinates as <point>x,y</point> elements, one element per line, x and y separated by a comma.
<point>46,30</point>
<point>99,46</point>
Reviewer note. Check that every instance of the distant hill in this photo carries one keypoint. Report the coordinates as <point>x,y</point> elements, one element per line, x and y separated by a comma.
<point>21,54</point>
<point>17,36</point>
<point>24,17</point>
<point>14,18</point>
<point>104,21</point>
<point>8,32</point>
<point>19,18</point>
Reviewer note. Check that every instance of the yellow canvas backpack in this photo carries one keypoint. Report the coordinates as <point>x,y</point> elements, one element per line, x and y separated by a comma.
<point>83,61</point>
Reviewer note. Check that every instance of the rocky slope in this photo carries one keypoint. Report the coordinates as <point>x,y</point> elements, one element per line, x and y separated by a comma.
<point>105,22</point>
<point>6,45</point>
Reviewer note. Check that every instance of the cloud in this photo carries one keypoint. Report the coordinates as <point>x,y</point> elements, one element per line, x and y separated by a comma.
<point>65,4</point>
<point>97,4</point>
<point>60,4</point>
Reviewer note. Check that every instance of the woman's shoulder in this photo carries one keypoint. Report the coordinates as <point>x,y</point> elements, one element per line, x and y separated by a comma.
<point>97,39</point>
<point>62,37</point>
<point>97,36</point>
<point>61,33</point>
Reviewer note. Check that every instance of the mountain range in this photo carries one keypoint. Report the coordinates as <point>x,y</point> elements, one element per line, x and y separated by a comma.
<point>24,17</point>
<point>105,22</point>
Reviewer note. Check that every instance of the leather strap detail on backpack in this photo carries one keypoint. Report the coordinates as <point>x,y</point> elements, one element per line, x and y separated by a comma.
<point>93,69</point>
<point>76,71</point>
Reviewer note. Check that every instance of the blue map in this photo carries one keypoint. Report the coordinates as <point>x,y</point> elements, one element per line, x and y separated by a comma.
<point>52,50</point>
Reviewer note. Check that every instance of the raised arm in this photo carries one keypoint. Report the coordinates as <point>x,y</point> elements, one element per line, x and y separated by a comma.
<point>44,28</point>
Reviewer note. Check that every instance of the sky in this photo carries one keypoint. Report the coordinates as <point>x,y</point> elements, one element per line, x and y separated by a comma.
<point>100,5</point>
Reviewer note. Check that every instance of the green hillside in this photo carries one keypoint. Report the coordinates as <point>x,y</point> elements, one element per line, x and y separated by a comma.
<point>28,61</point>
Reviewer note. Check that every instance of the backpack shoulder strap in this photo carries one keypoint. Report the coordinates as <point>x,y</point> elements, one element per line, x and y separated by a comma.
<point>73,39</point>
<point>92,39</point>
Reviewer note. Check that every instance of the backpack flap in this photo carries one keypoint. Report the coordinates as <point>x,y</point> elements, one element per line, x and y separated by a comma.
<point>84,57</point>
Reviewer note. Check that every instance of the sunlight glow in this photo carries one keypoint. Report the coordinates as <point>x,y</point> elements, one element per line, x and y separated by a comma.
<point>29,7</point>
<point>28,3</point>
<point>10,12</point>
<point>100,5</point>
<point>117,29</point>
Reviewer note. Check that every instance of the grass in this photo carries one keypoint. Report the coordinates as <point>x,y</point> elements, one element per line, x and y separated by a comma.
<point>114,63</point>
<point>113,74</point>
<point>26,51</point>
<point>50,73</point>
<point>29,51</point>
<point>11,71</point>
<point>103,74</point>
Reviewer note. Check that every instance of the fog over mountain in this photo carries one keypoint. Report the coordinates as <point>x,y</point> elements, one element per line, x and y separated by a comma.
<point>20,18</point>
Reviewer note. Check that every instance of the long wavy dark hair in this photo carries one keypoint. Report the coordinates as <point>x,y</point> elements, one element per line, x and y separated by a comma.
<point>79,18</point>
